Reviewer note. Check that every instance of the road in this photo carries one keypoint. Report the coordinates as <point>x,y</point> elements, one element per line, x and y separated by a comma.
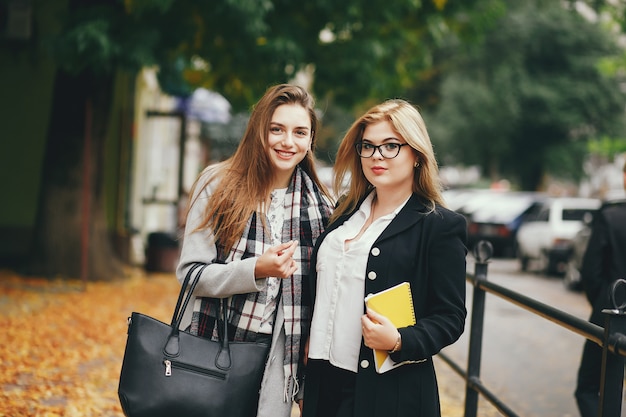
<point>529,362</point>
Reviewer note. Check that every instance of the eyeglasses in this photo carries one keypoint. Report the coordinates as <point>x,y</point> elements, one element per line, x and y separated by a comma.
<point>386,150</point>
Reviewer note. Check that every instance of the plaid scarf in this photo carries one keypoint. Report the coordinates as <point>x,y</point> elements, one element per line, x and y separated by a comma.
<point>305,217</point>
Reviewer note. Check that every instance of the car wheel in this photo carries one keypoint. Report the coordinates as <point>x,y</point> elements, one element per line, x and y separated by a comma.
<point>508,252</point>
<point>523,260</point>
<point>544,263</point>
<point>571,280</point>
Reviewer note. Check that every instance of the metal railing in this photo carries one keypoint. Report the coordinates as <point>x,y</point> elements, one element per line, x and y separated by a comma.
<point>611,337</point>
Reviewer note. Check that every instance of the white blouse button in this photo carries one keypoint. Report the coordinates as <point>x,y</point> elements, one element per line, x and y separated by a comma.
<point>375,251</point>
<point>371,275</point>
<point>365,363</point>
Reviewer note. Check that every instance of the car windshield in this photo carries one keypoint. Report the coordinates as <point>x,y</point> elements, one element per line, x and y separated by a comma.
<point>503,208</point>
<point>575,215</point>
<point>466,200</point>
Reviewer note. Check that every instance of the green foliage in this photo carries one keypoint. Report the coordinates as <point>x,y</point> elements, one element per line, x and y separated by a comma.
<point>381,48</point>
<point>140,8</point>
<point>567,160</point>
<point>532,89</point>
<point>103,36</point>
<point>607,146</point>
<point>373,49</point>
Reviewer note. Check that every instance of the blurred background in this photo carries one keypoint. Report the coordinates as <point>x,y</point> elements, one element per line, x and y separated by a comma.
<point>110,109</point>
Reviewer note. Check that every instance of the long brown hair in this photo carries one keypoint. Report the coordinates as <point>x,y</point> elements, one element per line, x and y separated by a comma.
<point>408,123</point>
<point>246,178</point>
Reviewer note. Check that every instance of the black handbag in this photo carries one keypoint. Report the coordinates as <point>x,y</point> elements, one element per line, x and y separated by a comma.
<point>167,372</point>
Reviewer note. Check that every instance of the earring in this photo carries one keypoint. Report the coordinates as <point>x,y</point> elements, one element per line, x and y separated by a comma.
<point>416,164</point>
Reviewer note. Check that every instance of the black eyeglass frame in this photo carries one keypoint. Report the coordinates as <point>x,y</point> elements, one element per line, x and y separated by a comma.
<point>359,147</point>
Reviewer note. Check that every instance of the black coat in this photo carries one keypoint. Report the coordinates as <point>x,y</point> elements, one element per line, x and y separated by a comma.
<point>604,260</point>
<point>428,250</point>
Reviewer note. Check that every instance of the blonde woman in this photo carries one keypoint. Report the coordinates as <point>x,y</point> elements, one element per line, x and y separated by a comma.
<point>254,219</point>
<point>389,228</point>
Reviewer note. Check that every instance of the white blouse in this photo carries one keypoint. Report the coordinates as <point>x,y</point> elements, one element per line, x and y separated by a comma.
<point>339,305</point>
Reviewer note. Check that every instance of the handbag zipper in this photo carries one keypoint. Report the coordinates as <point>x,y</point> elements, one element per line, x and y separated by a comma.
<point>184,366</point>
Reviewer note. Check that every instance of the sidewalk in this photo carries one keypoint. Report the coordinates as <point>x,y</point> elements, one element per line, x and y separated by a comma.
<point>67,344</point>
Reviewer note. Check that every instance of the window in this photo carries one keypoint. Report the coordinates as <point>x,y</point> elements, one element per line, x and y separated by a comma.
<point>576,215</point>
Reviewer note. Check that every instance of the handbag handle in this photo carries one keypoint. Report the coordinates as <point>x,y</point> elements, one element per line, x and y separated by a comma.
<point>172,345</point>
<point>177,312</point>
<point>223,360</point>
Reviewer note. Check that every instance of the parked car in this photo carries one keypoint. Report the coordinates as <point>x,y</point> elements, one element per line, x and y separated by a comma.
<point>473,199</point>
<point>325,175</point>
<point>496,217</point>
<point>571,280</point>
<point>546,235</point>
<point>459,199</point>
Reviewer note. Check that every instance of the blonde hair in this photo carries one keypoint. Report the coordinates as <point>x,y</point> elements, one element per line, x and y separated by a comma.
<point>408,123</point>
<point>246,177</point>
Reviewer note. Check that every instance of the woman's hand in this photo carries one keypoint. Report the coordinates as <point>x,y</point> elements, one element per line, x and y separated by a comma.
<point>378,331</point>
<point>277,261</point>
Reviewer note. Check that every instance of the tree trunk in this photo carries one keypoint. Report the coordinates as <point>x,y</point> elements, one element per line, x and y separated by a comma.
<point>71,236</point>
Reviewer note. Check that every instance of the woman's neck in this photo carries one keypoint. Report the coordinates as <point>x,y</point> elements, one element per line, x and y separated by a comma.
<point>386,202</point>
<point>281,180</point>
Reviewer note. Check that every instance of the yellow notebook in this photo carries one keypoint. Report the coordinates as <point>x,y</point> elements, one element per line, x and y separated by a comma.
<point>396,304</point>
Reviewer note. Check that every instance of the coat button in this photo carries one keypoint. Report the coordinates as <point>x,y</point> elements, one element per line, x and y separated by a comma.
<point>371,275</point>
<point>375,251</point>
<point>365,363</point>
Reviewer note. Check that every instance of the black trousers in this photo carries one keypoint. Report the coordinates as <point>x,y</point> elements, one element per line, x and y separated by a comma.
<point>589,372</point>
<point>588,383</point>
<point>333,390</point>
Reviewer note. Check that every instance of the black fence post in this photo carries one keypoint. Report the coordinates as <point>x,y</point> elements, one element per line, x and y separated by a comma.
<point>482,253</point>
<point>612,375</point>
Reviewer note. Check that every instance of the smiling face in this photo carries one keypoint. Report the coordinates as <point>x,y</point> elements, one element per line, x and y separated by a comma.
<point>388,174</point>
<point>288,140</point>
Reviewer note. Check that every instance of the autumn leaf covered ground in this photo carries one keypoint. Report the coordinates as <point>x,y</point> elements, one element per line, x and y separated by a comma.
<point>63,343</point>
